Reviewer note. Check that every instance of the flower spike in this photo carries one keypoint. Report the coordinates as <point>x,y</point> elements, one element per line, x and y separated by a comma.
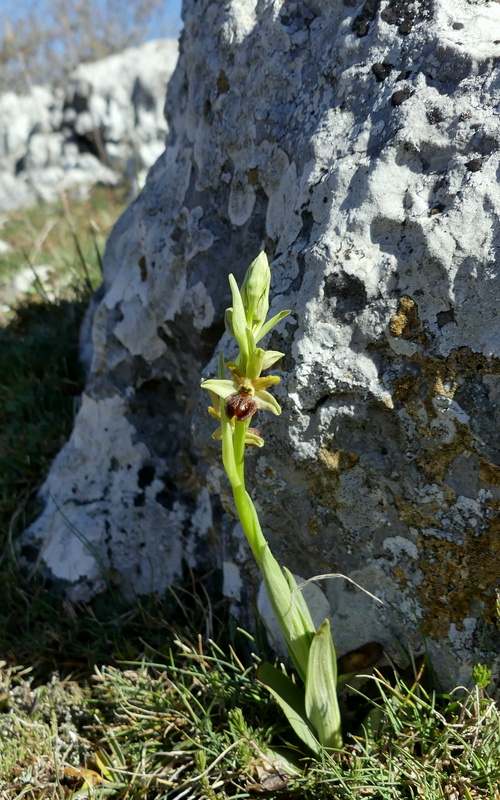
<point>313,713</point>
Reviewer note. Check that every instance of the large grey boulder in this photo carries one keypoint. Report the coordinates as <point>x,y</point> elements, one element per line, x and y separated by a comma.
<point>106,124</point>
<point>359,144</point>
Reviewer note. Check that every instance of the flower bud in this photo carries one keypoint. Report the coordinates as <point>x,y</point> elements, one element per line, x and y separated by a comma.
<point>255,292</point>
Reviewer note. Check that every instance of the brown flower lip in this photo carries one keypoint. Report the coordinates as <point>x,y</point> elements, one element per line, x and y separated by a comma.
<point>241,405</point>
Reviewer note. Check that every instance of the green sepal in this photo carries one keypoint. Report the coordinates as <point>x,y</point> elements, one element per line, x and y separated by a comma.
<point>222,388</point>
<point>268,403</point>
<point>270,358</point>
<point>321,705</point>
<point>239,321</point>
<point>290,698</point>
<point>270,324</point>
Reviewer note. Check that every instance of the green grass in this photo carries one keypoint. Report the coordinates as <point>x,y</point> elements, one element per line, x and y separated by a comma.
<point>112,699</point>
<point>65,235</point>
<point>197,725</point>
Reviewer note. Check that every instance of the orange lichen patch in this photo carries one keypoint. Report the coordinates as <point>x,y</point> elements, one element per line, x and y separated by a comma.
<point>413,516</point>
<point>489,473</point>
<point>434,460</point>
<point>315,525</point>
<point>406,322</point>
<point>406,318</point>
<point>400,575</point>
<point>439,377</point>
<point>455,576</point>
<point>404,388</point>
<point>325,473</point>
<point>337,460</point>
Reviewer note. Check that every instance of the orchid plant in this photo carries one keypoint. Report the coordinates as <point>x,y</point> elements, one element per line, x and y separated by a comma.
<point>312,709</point>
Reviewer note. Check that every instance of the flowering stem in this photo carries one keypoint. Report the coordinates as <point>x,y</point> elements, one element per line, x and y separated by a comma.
<point>234,402</point>
<point>235,445</point>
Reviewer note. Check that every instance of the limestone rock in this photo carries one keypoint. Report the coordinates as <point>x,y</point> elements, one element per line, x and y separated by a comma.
<point>358,144</point>
<point>106,124</point>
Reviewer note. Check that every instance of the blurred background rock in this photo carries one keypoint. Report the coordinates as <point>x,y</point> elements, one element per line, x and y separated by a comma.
<point>82,89</point>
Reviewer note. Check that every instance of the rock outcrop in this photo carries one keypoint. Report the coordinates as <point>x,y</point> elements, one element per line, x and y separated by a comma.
<point>359,144</point>
<point>106,123</point>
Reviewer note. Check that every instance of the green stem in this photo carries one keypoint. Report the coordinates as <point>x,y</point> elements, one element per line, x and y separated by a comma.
<point>244,505</point>
<point>240,430</point>
<point>293,615</point>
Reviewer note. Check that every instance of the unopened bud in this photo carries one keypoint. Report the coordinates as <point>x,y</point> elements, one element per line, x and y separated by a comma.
<point>255,291</point>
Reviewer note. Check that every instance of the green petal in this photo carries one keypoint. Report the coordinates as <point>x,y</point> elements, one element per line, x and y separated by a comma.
<point>268,403</point>
<point>253,440</point>
<point>262,383</point>
<point>221,388</point>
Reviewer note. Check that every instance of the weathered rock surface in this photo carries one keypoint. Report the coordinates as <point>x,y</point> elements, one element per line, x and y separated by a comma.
<point>360,142</point>
<point>108,121</point>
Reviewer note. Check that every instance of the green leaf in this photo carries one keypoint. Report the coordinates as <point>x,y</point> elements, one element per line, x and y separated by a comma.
<point>290,698</point>
<point>228,321</point>
<point>300,608</point>
<point>270,324</point>
<point>321,705</point>
<point>298,632</point>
